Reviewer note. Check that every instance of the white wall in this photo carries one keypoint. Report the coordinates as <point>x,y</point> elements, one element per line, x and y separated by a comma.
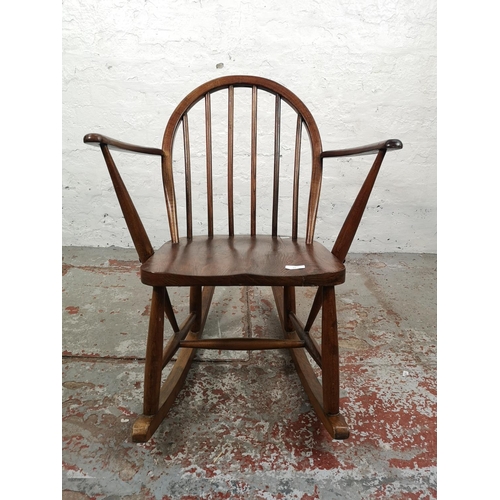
<point>365,68</point>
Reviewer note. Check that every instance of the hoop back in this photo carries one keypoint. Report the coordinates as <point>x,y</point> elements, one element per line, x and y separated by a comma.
<point>243,136</point>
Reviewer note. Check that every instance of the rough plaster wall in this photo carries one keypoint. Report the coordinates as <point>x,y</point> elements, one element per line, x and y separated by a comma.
<point>365,68</point>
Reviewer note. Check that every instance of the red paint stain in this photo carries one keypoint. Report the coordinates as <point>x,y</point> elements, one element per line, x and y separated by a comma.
<point>124,265</point>
<point>72,309</point>
<point>67,466</point>
<point>395,316</point>
<point>76,443</point>
<point>350,325</point>
<point>305,429</point>
<point>314,496</point>
<point>86,355</point>
<point>210,471</point>
<point>430,385</point>
<point>403,427</point>
<point>420,495</point>
<point>212,496</point>
<point>320,461</point>
<point>417,462</point>
<point>125,411</point>
<point>245,461</point>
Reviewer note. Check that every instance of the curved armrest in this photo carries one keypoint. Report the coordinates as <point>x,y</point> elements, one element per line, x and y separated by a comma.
<point>99,139</point>
<point>389,145</point>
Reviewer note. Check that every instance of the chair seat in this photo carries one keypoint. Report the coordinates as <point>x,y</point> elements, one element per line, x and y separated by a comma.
<point>242,260</point>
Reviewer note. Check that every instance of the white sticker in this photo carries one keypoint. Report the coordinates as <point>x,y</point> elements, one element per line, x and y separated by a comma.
<point>302,266</point>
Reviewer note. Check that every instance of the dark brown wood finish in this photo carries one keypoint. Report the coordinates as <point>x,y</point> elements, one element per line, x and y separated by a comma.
<point>203,262</point>
<point>242,260</point>
<point>210,187</point>
<point>176,339</point>
<point>102,140</point>
<point>230,160</point>
<point>350,226</point>
<point>277,155</point>
<point>187,177</point>
<point>243,344</point>
<point>289,307</point>
<point>136,228</point>
<point>195,294</point>
<point>296,173</point>
<point>169,312</point>
<point>255,85</point>
<point>391,144</point>
<point>309,343</point>
<point>145,425</point>
<point>253,174</point>
<point>334,424</point>
<point>330,352</point>
<point>154,352</point>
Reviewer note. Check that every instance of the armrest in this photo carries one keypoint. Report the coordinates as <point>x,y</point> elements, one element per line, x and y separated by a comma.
<point>389,145</point>
<point>99,139</point>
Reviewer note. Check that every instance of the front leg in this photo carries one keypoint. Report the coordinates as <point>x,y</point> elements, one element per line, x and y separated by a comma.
<point>154,352</point>
<point>330,352</point>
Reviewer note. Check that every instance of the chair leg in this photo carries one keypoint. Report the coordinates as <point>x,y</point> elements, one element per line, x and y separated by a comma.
<point>330,352</point>
<point>195,306</point>
<point>331,366</point>
<point>289,307</point>
<point>154,352</point>
<point>324,397</point>
<point>158,399</point>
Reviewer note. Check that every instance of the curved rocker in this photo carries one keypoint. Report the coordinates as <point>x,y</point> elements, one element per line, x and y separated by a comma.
<point>246,258</point>
<point>159,399</point>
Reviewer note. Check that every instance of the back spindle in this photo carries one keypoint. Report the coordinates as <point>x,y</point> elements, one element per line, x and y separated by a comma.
<point>210,197</point>
<point>187,176</point>
<point>296,172</point>
<point>230,160</point>
<point>276,180</point>
<point>253,208</point>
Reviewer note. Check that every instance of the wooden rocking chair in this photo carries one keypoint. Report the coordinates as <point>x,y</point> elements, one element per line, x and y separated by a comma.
<point>233,259</point>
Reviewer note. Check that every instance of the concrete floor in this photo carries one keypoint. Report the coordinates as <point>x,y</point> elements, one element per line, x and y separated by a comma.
<point>242,427</point>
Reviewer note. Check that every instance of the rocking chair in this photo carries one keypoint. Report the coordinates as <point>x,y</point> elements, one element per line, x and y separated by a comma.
<point>202,262</point>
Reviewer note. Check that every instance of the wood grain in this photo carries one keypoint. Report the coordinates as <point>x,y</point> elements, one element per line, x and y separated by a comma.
<point>241,260</point>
